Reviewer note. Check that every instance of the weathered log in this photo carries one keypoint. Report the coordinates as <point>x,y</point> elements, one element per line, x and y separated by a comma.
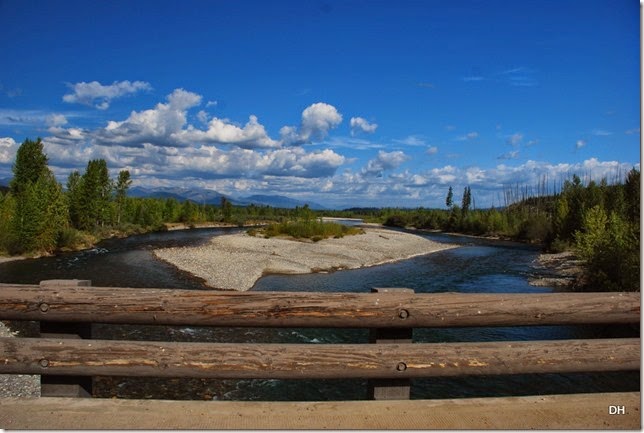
<point>303,309</point>
<point>313,361</point>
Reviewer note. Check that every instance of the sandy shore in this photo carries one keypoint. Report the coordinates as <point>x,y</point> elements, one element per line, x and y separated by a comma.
<point>4,259</point>
<point>237,261</point>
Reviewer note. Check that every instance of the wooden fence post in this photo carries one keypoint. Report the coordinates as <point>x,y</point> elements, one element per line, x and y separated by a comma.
<point>391,389</point>
<point>64,386</point>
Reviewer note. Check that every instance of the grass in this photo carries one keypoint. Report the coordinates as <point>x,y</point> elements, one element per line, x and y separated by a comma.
<point>313,229</point>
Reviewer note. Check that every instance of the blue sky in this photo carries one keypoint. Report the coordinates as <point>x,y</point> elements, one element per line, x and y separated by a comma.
<point>346,103</point>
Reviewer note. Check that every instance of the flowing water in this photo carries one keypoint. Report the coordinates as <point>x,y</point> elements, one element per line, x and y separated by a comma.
<point>476,266</point>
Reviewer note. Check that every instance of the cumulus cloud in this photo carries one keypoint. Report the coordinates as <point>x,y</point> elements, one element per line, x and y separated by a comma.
<point>161,125</point>
<point>56,120</point>
<point>99,95</point>
<point>384,161</point>
<point>8,148</point>
<point>358,125</point>
<point>317,120</point>
<point>159,143</point>
<point>252,135</point>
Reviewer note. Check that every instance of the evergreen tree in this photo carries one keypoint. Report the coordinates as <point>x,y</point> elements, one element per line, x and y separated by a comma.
<point>122,185</point>
<point>226,209</point>
<point>30,165</point>
<point>39,209</point>
<point>95,195</point>
<point>449,200</point>
<point>75,198</point>
<point>467,200</point>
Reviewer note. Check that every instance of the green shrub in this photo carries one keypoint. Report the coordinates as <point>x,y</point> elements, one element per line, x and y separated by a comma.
<point>314,230</point>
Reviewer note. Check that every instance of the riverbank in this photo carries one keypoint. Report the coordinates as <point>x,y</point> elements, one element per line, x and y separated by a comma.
<point>563,271</point>
<point>237,261</point>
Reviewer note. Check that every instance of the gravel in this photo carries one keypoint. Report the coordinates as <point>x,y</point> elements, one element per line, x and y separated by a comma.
<point>236,262</point>
<point>17,385</point>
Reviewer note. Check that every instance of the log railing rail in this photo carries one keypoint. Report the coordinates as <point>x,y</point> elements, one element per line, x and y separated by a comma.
<point>389,313</point>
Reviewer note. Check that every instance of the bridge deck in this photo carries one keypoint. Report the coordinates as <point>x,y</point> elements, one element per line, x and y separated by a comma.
<point>578,411</point>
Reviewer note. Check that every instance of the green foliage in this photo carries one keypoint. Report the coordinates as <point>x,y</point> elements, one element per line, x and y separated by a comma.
<point>36,210</point>
<point>30,165</point>
<point>95,194</point>
<point>122,185</point>
<point>600,221</point>
<point>449,200</point>
<point>312,229</point>
<point>611,249</point>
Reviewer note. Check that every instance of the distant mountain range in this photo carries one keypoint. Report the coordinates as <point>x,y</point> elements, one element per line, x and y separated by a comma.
<point>206,196</point>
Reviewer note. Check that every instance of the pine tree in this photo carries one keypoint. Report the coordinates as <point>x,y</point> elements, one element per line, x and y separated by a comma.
<point>467,200</point>
<point>40,210</point>
<point>122,185</point>
<point>74,198</point>
<point>449,201</point>
<point>95,195</point>
<point>30,165</point>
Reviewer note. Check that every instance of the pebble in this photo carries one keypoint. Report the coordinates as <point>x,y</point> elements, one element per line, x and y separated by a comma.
<point>17,385</point>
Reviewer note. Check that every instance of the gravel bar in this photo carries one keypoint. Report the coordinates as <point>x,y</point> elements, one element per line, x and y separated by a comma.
<point>237,261</point>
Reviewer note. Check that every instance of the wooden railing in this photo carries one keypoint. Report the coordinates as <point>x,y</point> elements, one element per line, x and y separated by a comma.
<point>66,308</point>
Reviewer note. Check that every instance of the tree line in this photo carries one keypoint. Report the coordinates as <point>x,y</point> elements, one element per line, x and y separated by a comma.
<point>38,215</point>
<point>600,222</point>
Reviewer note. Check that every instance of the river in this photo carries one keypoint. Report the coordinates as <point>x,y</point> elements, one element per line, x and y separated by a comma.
<point>476,266</point>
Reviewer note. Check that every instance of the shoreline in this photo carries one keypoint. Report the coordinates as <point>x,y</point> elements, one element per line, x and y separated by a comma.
<point>562,271</point>
<point>237,261</point>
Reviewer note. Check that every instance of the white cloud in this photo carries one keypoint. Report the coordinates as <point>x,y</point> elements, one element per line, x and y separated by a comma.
<point>159,143</point>
<point>317,120</point>
<point>221,131</point>
<point>411,140</point>
<point>54,120</point>
<point>580,143</point>
<point>8,148</point>
<point>99,95</point>
<point>358,124</point>
<point>432,150</point>
<point>384,161</point>
<point>161,125</point>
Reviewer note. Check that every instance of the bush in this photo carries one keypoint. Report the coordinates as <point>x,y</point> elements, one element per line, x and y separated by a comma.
<point>72,239</point>
<point>611,250</point>
<point>314,230</point>
<point>397,220</point>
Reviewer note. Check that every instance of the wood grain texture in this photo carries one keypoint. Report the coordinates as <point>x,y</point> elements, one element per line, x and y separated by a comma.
<point>313,361</point>
<point>304,309</point>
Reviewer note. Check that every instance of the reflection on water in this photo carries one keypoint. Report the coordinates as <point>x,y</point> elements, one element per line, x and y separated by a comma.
<point>477,266</point>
